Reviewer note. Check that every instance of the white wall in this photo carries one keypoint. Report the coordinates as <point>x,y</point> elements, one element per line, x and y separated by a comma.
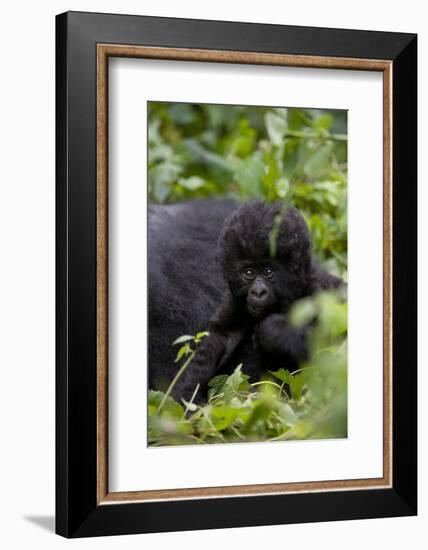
<point>27,274</point>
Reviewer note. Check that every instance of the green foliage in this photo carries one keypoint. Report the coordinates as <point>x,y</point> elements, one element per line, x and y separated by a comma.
<point>186,351</point>
<point>310,403</point>
<point>297,155</point>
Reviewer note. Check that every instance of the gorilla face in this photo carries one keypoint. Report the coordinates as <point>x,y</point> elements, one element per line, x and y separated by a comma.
<point>261,283</point>
<point>256,283</point>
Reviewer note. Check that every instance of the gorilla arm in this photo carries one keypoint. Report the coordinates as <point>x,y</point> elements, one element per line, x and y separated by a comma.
<point>226,331</point>
<point>276,336</point>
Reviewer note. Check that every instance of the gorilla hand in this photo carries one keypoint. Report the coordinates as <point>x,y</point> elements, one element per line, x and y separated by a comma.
<point>275,336</point>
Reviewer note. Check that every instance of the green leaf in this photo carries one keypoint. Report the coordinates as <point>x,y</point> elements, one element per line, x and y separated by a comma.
<point>282,374</point>
<point>237,382</point>
<point>153,133</point>
<point>201,335</point>
<point>297,119</point>
<point>283,187</point>
<point>323,122</point>
<point>241,146</point>
<point>260,411</point>
<point>218,380</point>
<point>171,408</point>
<point>203,155</point>
<point>277,222</point>
<point>161,178</point>
<point>182,113</point>
<point>184,338</point>
<point>161,190</point>
<point>184,350</point>
<point>287,414</point>
<point>276,127</point>
<point>318,159</point>
<point>296,385</point>
<point>333,315</point>
<point>160,152</point>
<point>192,184</point>
<point>249,174</point>
<point>221,115</point>
<point>223,416</point>
<point>273,170</point>
<point>303,312</point>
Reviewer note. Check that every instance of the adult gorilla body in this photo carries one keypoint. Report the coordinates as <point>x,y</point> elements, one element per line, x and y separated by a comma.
<point>210,269</point>
<point>185,279</point>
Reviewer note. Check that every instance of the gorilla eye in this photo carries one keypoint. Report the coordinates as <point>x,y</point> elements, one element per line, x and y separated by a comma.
<point>249,273</point>
<point>268,272</point>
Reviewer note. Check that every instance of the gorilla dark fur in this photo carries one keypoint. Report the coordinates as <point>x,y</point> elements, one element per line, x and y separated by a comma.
<point>210,269</point>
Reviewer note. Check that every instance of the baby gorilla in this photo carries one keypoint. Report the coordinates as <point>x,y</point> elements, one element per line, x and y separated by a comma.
<point>250,326</point>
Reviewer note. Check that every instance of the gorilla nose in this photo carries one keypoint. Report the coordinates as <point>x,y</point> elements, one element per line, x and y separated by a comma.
<point>258,294</point>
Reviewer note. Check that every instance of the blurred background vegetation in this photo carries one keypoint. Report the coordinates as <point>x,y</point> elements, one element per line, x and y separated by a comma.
<point>295,155</point>
<point>245,152</point>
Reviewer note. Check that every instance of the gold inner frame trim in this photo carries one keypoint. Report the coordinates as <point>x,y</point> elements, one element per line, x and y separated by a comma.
<point>104,51</point>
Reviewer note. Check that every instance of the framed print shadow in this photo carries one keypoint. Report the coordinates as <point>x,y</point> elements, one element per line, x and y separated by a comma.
<point>235,275</point>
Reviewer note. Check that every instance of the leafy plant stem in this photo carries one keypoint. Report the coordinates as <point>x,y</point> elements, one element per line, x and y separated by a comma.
<point>268,382</point>
<point>284,390</point>
<point>305,368</point>
<point>189,404</point>
<point>175,380</point>
<point>237,432</point>
<point>311,135</point>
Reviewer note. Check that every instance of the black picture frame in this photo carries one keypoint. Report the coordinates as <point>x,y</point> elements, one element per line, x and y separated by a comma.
<point>78,512</point>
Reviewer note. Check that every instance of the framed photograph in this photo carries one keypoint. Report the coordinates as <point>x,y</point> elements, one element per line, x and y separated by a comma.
<point>236,274</point>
